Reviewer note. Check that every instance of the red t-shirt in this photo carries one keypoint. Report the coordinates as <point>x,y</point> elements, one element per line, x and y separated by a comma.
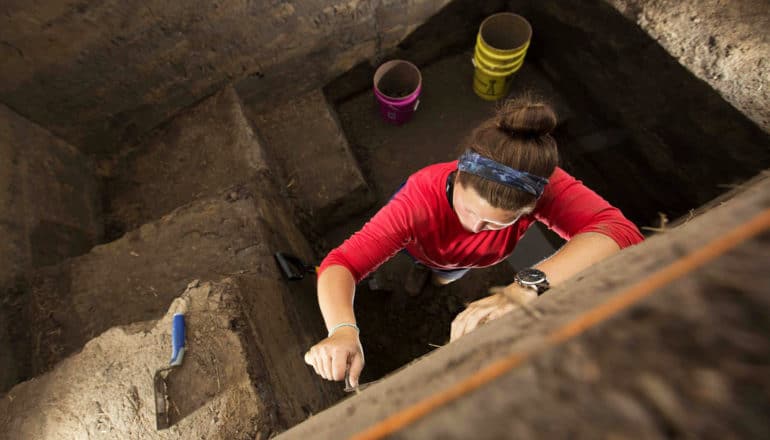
<point>420,219</point>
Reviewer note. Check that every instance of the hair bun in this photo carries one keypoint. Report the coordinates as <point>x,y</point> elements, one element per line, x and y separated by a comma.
<point>526,117</point>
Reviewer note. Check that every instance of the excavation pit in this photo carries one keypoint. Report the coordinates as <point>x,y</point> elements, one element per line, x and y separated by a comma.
<point>237,173</point>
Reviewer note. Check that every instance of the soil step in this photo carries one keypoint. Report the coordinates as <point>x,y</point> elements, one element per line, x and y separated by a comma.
<point>49,197</point>
<point>685,360</point>
<point>319,170</point>
<point>106,390</point>
<point>135,278</point>
<point>199,153</point>
<point>49,209</point>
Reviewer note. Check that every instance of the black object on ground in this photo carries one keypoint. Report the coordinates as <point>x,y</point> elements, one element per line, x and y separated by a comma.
<point>293,268</point>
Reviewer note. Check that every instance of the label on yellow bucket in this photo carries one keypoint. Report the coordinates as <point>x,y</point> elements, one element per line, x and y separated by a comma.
<point>490,84</point>
<point>490,87</point>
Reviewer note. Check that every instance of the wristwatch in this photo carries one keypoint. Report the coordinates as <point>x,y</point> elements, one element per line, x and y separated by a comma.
<point>533,279</point>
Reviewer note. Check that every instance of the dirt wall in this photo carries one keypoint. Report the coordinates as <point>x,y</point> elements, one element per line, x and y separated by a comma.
<point>202,151</point>
<point>726,44</point>
<point>651,120</point>
<point>315,160</point>
<point>98,73</point>
<point>49,198</point>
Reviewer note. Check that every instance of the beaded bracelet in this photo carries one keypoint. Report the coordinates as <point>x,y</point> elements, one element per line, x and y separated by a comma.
<point>344,324</point>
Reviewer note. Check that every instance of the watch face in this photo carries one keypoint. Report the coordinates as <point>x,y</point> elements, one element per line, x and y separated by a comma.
<point>531,276</point>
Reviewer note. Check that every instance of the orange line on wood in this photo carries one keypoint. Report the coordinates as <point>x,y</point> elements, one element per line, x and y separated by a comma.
<point>601,313</point>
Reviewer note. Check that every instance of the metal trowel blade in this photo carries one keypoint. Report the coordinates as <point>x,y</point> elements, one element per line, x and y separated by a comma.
<point>161,400</point>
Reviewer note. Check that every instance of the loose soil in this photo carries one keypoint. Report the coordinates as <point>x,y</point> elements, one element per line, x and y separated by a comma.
<point>106,390</point>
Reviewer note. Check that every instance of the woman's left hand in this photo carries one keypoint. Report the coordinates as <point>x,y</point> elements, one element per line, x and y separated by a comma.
<point>504,299</point>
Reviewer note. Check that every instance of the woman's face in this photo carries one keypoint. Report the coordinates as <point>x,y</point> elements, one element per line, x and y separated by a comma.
<point>476,214</point>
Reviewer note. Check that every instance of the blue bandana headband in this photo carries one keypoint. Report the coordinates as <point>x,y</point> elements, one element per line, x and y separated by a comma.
<point>476,164</point>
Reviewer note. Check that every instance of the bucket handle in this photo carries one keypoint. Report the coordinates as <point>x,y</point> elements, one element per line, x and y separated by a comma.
<point>476,66</point>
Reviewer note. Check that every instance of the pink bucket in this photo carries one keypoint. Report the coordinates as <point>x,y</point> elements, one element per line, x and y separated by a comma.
<point>397,86</point>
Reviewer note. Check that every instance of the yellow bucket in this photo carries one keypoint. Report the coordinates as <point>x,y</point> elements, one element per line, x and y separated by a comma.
<point>501,45</point>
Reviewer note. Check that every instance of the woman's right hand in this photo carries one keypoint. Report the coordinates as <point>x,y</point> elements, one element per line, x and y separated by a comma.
<point>331,357</point>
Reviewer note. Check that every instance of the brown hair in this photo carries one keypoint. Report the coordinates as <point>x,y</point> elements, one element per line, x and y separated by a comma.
<point>519,137</point>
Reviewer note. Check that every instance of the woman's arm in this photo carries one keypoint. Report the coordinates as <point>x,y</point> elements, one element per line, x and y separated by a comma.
<point>330,357</point>
<point>594,230</point>
<point>379,239</point>
<point>336,289</point>
<point>581,252</point>
<point>569,208</point>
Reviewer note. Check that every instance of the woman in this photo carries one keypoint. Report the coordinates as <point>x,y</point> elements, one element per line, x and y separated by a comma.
<point>471,213</point>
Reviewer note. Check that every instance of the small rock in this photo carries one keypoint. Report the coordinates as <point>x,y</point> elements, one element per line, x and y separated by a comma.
<point>665,399</point>
<point>580,365</point>
<point>628,407</point>
<point>711,386</point>
<point>374,283</point>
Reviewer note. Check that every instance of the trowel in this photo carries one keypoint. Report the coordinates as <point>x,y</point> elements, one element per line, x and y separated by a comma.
<point>159,380</point>
<point>292,268</point>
